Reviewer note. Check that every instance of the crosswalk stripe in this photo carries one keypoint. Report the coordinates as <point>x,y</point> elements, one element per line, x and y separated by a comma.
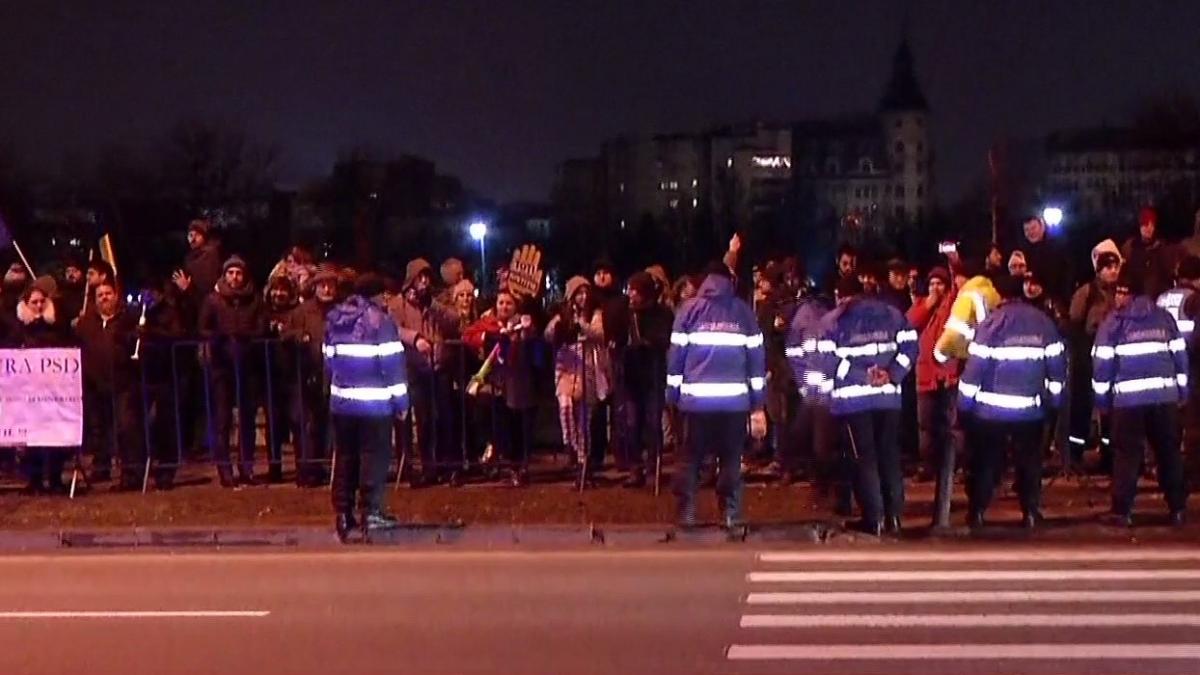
<point>875,576</point>
<point>928,652</point>
<point>1074,555</point>
<point>965,620</point>
<point>957,597</point>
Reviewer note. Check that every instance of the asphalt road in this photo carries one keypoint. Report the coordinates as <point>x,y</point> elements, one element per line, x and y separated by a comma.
<point>885,609</point>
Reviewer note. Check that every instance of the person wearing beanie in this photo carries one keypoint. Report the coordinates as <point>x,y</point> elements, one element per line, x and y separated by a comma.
<point>1090,306</point>
<point>1149,255</point>
<point>864,350</point>
<point>1035,293</point>
<point>1015,375</point>
<point>368,391</point>
<point>582,375</point>
<point>716,377</point>
<point>937,391</point>
<point>426,324</point>
<point>641,360</point>
<point>231,318</point>
<point>1140,377</point>
<point>202,266</point>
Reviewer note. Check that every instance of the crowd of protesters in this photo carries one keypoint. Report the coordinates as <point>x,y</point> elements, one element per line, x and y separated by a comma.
<point>882,364</point>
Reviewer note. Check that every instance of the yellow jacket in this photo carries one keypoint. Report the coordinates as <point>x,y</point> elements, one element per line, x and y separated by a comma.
<point>976,299</point>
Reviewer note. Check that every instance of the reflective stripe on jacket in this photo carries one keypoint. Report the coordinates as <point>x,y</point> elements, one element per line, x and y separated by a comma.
<point>862,334</point>
<point>366,361</point>
<point>975,299</point>
<point>1139,358</point>
<point>1017,365</point>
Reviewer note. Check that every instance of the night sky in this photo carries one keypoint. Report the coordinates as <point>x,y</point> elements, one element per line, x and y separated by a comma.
<point>498,91</point>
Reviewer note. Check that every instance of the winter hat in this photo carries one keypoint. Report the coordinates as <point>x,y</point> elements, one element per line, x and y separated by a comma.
<point>574,284</point>
<point>234,261</point>
<point>414,269</point>
<point>452,271</point>
<point>1147,216</point>
<point>644,284</point>
<point>282,281</point>
<point>200,226</point>
<point>939,272</point>
<point>1106,246</point>
<point>47,285</point>
<point>1189,268</point>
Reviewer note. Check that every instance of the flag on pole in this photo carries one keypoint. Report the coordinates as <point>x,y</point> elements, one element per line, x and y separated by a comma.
<point>107,254</point>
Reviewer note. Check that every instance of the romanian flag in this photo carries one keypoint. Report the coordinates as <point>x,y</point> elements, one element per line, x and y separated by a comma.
<point>107,254</point>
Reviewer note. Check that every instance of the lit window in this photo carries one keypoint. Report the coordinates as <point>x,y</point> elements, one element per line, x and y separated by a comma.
<point>673,185</point>
<point>622,223</point>
<point>695,202</point>
<point>729,162</point>
<point>621,187</point>
<point>695,183</point>
<point>674,203</point>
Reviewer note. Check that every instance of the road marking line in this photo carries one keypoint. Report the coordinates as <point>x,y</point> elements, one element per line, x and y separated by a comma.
<point>873,576</point>
<point>962,597</point>
<point>987,652</point>
<point>964,620</point>
<point>1079,555</point>
<point>180,614</point>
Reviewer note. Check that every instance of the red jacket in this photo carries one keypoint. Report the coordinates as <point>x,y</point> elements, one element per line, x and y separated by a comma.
<point>929,323</point>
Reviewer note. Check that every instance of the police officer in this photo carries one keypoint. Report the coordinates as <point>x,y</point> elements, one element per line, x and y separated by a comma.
<point>368,389</point>
<point>1140,373</point>
<point>716,374</point>
<point>865,348</point>
<point>1016,370</point>
<point>810,437</point>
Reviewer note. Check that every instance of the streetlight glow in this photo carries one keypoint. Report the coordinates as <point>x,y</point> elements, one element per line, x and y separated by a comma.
<point>478,230</point>
<point>1052,216</point>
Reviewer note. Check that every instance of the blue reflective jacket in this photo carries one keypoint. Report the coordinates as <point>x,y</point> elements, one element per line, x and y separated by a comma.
<point>1173,301</point>
<point>1016,365</point>
<point>801,347</point>
<point>1139,358</point>
<point>861,334</point>
<point>717,361</point>
<point>365,359</point>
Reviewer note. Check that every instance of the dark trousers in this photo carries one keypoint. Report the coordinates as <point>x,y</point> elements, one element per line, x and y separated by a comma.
<point>282,397</point>
<point>1080,401</point>
<point>809,441</point>
<point>364,451</point>
<point>164,442</point>
<point>44,466</point>
<point>722,435</point>
<point>234,389</point>
<point>433,421</point>
<point>937,419</point>
<point>1191,430</point>
<point>513,433</point>
<point>641,427</point>
<point>111,427</point>
<point>1131,429</point>
<point>872,439</point>
<point>990,441</point>
<point>910,435</point>
<point>312,418</point>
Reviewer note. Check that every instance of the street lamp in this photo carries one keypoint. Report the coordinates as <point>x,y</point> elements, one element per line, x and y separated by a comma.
<point>478,231</point>
<point>1052,216</point>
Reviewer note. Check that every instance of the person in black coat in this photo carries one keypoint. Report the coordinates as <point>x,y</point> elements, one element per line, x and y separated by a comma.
<point>107,336</point>
<point>641,356</point>
<point>231,318</point>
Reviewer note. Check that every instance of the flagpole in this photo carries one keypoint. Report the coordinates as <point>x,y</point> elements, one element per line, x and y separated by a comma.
<point>24,260</point>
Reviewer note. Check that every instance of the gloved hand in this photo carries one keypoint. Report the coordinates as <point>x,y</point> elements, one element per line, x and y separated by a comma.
<point>758,425</point>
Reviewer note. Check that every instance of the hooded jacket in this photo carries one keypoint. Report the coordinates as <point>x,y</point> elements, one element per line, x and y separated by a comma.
<point>1139,358</point>
<point>1017,367</point>
<point>861,334</point>
<point>366,361</point>
<point>306,326</point>
<point>975,299</point>
<point>801,348</point>
<point>929,323</point>
<point>31,331</point>
<point>717,362</point>
<point>437,323</point>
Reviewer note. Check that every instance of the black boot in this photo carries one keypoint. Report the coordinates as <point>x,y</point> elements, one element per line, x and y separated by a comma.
<point>1178,518</point>
<point>892,525</point>
<point>275,474</point>
<point>871,527</point>
<point>344,525</point>
<point>1031,518</point>
<point>975,519</point>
